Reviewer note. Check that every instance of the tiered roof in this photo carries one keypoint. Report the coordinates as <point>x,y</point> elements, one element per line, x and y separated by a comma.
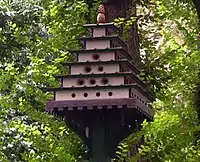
<point>102,78</point>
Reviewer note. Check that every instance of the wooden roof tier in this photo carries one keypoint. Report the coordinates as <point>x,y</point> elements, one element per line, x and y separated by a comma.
<point>120,62</point>
<point>127,74</point>
<point>115,49</point>
<point>135,85</point>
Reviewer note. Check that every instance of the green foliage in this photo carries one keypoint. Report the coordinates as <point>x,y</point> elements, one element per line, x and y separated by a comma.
<point>125,24</point>
<point>34,39</point>
<point>168,32</point>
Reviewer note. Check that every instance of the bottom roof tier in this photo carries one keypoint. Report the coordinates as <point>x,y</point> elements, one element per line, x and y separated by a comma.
<point>82,105</point>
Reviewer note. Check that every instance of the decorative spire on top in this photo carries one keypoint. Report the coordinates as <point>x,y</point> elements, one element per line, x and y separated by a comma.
<point>101,14</point>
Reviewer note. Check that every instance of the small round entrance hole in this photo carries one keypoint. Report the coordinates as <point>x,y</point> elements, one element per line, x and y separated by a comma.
<point>100,68</point>
<point>98,94</point>
<point>92,81</point>
<point>85,95</point>
<point>104,81</point>
<point>73,95</point>
<point>110,94</point>
<point>95,56</point>
<point>80,82</point>
<point>88,69</point>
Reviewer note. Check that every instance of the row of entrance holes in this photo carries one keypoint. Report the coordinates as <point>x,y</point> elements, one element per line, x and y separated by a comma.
<point>98,94</point>
<point>88,69</point>
<point>97,56</point>
<point>100,69</point>
<point>92,81</point>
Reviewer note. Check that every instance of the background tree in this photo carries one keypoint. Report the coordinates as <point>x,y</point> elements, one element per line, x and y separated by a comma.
<point>197,6</point>
<point>168,37</point>
<point>34,39</point>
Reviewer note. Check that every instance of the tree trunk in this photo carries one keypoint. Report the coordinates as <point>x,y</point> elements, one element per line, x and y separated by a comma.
<point>120,8</point>
<point>197,6</point>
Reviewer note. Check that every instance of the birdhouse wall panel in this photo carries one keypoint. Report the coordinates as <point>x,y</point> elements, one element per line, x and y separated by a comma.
<point>93,81</point>
<point>96,56</point>
<point>116,43</point>
<point>129,80</point>
<point>109,31</point>
<point>142,100</point>
<point>96,69</point>
<point>136,94</point>
<point>120,56</point>
<point>99,32</point>
<point>98,44</point>
<point>92,94</point>
<point>124,68</point>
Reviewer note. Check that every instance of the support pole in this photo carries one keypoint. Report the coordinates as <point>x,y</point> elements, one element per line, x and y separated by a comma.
<point>99,146</point>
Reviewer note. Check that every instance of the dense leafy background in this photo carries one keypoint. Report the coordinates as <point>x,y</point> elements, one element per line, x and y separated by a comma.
<point>34,39</point>
<point>169,49</point>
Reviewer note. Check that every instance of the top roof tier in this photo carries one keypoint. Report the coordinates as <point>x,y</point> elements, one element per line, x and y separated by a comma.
<point>102,29</point>
<point>102,36</point>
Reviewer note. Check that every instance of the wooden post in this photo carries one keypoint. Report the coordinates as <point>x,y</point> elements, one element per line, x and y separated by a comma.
<point>99,146</point>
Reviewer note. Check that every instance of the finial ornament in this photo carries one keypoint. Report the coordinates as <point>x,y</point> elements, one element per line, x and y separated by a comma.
<point>101,14</point>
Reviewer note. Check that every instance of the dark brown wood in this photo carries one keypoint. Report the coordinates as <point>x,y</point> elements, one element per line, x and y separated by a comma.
<point>197,6</point>
<point>88,105</point>
<point>121,8</point>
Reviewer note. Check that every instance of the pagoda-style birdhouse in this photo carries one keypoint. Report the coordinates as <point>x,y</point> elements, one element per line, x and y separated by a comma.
<point>102,98</point>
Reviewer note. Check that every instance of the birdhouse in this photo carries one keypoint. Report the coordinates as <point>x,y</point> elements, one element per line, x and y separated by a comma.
<point>102,99</point>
